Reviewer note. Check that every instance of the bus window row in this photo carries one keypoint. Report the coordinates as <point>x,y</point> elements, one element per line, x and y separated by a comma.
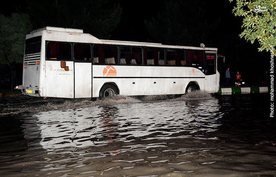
<point>126,55</point>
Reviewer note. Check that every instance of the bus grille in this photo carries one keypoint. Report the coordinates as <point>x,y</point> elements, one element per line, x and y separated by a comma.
<point>31,59</point>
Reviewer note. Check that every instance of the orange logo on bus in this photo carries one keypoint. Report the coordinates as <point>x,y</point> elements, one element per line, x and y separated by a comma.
<point>193,72</point>
<point>109,71</point>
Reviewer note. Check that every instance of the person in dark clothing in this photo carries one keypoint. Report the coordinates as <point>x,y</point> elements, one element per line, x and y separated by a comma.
<point>228,77</point>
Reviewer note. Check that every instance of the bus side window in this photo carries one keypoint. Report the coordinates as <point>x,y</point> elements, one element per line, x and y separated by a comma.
<point>149,56</point>
<point>154,56</point>
<point>171,57</point>
<point>161,57</point>
<point>110,54</point>
<point>82,52</point>
<point>194,58</point>
<point>137,55</point>
<point>130,55</point>
<point>125,56</point>
<point>58,51</point>
<point>98,54</point>
<point>175,57</point>
<point>180,59</point>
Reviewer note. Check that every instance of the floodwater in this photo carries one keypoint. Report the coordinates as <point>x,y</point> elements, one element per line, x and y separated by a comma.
<point>196,135</point>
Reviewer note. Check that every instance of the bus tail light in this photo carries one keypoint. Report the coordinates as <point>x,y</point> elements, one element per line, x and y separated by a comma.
<point>25,64</point>
<point>37,62</point>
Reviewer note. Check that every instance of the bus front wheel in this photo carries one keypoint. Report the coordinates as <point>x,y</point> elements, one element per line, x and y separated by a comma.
<point>108,90</point>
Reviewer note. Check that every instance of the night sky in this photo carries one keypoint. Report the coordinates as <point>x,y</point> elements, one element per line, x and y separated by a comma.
<point>240,55</point>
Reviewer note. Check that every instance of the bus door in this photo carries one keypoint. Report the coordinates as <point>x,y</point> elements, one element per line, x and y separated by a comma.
<point>212,77</point>
<point>59,74</point>
<point>83,70</point>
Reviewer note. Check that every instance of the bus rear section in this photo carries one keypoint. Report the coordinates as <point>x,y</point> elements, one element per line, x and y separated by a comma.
<point>31,67</point>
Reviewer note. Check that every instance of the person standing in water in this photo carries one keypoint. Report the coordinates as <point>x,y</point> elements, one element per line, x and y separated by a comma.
<point>228,77</point>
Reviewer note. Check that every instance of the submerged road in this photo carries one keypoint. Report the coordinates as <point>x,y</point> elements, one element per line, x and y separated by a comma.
<point>193,135</point>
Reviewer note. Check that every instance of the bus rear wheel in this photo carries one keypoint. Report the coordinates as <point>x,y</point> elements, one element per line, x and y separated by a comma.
<point>108,90</point>
<point>191,88</point>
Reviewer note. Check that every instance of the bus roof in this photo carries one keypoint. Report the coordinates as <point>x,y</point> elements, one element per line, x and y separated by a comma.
<point>57,29</point>
<point>158,45</point>
<point>111,42</point>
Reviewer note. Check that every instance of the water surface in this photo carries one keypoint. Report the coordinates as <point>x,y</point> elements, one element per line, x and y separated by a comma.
<point>200,136</point>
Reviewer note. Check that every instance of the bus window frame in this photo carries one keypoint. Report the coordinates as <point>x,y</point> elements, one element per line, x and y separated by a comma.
<point>89,60</point>
<point>131,52</point>
<point>163,52</point>
<point>33,49</point>
<point>101,56</point>
<point>156,56</point>
<point>57,59</point>
<point>178,54</point>
<point>214,63</point>
<point>201,64</point>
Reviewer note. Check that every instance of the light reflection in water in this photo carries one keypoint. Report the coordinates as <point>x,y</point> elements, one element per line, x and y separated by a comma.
<point>148,138</point>
<point>99,126</point>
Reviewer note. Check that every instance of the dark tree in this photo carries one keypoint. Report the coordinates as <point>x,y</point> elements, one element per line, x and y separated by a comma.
<point>13,30</point>
<point>98,17</point>
<point>187,22</point>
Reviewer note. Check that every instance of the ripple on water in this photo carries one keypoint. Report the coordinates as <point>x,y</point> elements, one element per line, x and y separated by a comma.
<point>126,136</point>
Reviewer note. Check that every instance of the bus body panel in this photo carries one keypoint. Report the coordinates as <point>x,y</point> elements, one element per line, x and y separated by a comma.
<point>31,74</point>
<point>138,87</point>
<point>212,81</point>
<point>75,79</point>
<point>146,72</point>
<point>31,79</point>
<point>58,82</point>
<point>83,79</point>
<point>147,80</point>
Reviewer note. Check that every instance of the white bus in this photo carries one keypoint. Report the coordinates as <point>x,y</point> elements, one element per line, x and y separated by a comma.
<point>67,63</point>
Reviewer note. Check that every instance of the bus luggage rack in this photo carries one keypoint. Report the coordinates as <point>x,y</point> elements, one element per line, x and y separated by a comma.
<point>32,59</point>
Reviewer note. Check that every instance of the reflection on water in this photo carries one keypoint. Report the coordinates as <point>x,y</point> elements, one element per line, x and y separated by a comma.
<point>228,135</point>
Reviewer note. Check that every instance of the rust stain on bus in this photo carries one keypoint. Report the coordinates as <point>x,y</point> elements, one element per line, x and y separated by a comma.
<point>63,65</point>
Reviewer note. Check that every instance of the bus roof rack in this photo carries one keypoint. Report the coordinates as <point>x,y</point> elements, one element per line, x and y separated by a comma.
<point>69,30</point>
<point>129,42</point>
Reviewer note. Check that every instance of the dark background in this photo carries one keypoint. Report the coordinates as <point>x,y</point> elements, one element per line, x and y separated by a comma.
<point>178,22</point>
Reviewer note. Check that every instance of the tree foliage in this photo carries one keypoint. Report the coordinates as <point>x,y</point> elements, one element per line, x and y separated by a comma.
<point>182,22</point>
<point>259,22</point>
<point>13,30</point>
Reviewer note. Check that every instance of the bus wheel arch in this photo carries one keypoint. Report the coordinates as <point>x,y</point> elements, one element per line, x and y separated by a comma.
<point>109,89</point>
<point>192,86</point>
